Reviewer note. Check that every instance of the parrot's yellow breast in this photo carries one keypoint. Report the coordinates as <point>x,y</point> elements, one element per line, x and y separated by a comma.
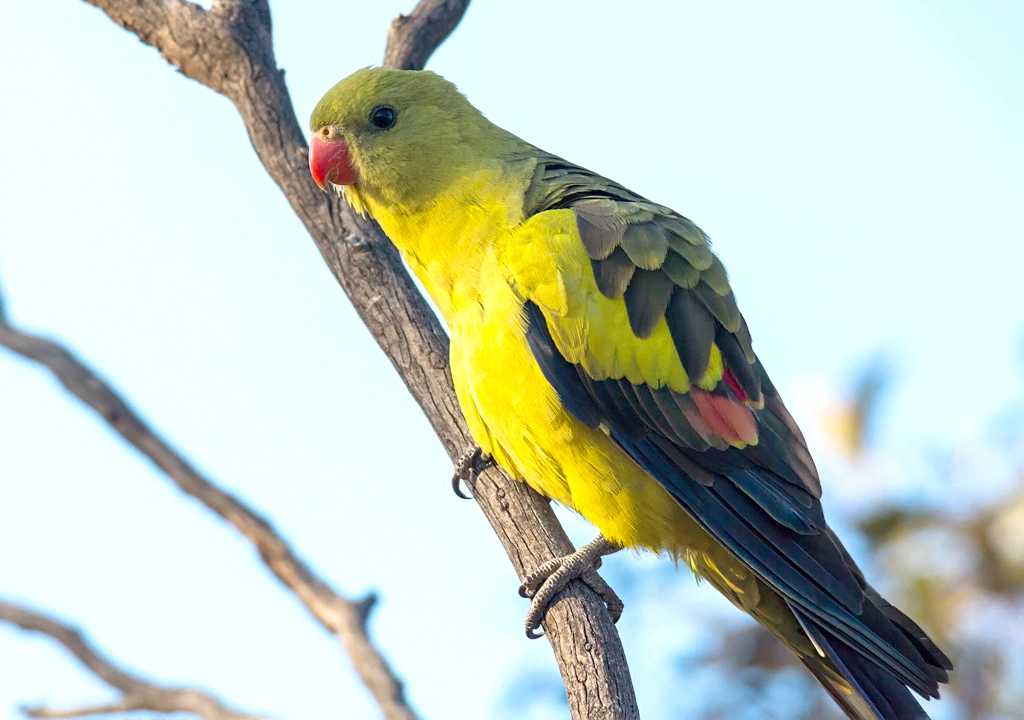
<point>470,250</point>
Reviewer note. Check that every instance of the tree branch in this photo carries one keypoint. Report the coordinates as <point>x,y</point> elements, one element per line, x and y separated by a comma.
<point>138,694</point>
<point>413,38</point>
<point>344,618</point>
<point>229,49</point>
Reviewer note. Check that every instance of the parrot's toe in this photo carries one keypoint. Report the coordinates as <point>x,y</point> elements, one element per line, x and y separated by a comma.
<point>545,582</point>
<point>467,467</point>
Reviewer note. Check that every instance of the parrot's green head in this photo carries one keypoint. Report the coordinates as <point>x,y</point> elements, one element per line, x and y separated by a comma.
<point>399,137</point>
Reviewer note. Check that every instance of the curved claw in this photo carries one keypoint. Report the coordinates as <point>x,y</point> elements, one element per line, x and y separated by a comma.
<point>467,467</point>
<point>457,487</point>
<point>550,578</point>
<point>469,464</point>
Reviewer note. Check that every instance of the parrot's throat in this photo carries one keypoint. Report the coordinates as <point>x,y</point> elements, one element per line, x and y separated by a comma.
<point>450,240</point>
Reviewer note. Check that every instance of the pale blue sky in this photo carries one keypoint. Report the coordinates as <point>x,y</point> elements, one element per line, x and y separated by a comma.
<point>860,168</point>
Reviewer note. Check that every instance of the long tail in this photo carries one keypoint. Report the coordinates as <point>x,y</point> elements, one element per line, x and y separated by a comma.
<point>851,702</point>
<point>870,692</point>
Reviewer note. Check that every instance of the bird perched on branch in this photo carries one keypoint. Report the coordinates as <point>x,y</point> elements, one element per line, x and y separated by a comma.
<point>599,356</point>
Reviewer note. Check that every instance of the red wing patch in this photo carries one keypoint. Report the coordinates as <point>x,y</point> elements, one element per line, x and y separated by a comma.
<point>729,419</point>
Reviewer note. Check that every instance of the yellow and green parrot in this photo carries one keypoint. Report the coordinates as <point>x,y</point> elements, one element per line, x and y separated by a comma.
<point>599,356</point>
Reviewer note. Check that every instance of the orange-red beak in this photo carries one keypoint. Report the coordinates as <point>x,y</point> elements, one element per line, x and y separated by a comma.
<point>329,162</point>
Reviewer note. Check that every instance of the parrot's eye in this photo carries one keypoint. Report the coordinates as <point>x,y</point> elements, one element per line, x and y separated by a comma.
<point>383,117</point>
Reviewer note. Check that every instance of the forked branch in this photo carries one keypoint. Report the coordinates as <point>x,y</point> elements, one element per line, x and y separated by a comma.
<point>229,48</point>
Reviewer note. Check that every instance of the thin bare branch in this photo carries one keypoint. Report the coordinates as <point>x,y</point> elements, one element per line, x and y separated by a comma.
<point>45,711</point>
<point>72,639</point>
<point>413,38</point>
<point>229,49</point>
<point>344,618</point>
<point>138,694</point>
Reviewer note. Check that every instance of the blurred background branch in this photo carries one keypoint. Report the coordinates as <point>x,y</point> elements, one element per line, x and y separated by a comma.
<point>345,618</point>
<point>136,693</point>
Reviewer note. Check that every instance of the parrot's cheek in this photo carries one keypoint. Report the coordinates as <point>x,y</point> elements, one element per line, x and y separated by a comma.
<point>329,162</point>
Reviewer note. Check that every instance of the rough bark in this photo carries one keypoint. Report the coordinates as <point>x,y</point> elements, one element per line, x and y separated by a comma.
<point>229,49</point>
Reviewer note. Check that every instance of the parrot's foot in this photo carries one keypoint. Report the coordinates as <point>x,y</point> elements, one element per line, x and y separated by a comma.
<point>546,581</point>
<point>467,467</point>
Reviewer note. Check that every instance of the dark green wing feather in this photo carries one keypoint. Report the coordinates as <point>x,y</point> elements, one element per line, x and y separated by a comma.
<point>659,261</point>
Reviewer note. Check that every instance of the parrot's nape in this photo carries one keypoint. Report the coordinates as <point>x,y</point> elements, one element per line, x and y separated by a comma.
<point>599,356</point>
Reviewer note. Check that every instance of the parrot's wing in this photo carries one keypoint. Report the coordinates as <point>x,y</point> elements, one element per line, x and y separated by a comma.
<point>633,295</point>
<point>631,318</point>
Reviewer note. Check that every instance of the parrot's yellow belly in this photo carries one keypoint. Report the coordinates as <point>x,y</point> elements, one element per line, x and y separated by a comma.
<point>517,417</point>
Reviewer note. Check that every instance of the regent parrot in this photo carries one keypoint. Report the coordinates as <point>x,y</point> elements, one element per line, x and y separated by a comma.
<point>599,356</point>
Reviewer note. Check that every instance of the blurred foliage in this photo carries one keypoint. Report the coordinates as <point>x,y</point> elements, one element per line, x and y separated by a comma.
<point>938,529</point>
<point>852,423</point>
